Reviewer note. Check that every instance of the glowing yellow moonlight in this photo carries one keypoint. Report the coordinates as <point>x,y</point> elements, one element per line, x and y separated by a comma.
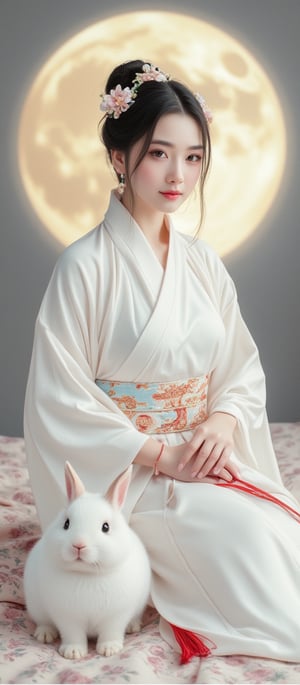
<point>62,163</point>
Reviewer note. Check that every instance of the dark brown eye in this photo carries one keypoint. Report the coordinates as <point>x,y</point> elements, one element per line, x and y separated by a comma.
<point>66,524</point>
<point>105,527</point>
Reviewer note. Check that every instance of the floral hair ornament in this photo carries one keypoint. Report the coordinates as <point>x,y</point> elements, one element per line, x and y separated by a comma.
<point>206,111</point>
<point>119,99</point>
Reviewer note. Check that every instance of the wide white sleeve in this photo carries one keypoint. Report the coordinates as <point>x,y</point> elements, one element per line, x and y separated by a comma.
<point>237,384</point>
<point>66,415</point>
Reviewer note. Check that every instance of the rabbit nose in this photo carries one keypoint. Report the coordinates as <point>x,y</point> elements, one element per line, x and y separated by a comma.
<point>79,545</point>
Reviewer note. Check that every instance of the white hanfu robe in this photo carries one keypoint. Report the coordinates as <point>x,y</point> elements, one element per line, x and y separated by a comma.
<point>225,564</point>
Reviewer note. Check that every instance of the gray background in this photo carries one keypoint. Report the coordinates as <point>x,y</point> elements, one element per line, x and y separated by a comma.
<point>266,269</point>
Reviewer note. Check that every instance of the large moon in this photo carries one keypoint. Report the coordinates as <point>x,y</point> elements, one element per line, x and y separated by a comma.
<point>62,162</point>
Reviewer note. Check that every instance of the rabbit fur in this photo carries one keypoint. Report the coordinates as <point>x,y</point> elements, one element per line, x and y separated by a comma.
<point>89,574</point>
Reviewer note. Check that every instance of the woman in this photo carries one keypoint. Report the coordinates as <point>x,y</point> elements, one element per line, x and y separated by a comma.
<point>141,356</point>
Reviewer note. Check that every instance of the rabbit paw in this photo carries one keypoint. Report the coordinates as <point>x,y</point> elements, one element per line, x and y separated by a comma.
<point>109,647</point>
<point>74,651</point>
<point>134,626</point>
<point>45,633</point>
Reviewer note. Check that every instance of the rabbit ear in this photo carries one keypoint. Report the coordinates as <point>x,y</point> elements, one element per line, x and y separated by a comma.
<point>117,492</point>
<point>74,486</point>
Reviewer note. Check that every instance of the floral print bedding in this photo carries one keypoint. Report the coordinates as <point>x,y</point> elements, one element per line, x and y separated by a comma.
<point>146,658</point>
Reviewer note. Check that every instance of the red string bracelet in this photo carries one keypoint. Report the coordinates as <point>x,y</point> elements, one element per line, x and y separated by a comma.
<point>155,467</point>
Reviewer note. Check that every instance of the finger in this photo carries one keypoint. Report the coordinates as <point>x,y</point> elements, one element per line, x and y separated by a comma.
<point>225,475</point>
<point>190,449</point>
<point>233,469</point>
<point>223,461</point>
<point>229,465</point>
<point>207,458</point>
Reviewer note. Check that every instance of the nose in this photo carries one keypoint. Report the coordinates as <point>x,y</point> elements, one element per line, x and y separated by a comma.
<point>79,546</point>
<point>175,173</point>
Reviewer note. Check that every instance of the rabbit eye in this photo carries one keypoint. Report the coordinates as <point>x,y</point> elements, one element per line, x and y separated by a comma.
<point>105,527</point>
<point>66,524</point>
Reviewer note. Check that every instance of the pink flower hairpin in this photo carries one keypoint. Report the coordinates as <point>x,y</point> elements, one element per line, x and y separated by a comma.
<point>119,99</point>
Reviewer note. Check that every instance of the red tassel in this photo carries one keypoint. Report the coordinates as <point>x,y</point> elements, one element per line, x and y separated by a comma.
<point>190,644</point>
<point>244,486</point>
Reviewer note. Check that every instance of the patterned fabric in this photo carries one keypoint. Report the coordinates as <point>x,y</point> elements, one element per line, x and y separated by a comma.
<point>161,407</point>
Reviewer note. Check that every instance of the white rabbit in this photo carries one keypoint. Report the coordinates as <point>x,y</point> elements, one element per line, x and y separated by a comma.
<point>89,574</point>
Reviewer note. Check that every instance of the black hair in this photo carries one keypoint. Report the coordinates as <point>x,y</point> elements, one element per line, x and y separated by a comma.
<point>154,99</point>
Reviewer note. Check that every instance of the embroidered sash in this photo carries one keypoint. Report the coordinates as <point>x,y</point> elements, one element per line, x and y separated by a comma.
<point>161,407</point>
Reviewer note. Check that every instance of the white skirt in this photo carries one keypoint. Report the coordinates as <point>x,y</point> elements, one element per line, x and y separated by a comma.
<point>226,565</point>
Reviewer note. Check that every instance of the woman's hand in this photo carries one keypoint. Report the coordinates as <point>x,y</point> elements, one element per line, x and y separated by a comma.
<point>206,454</point>
<point>209,450</point>
<point>172,457</point>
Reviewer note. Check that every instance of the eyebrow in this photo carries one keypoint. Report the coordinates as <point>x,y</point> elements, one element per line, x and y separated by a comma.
<point>167,144</point>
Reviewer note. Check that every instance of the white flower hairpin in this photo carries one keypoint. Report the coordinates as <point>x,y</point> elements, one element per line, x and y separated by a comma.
<point>206,111</point>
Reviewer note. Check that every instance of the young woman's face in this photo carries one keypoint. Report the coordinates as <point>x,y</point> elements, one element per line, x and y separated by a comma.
<point>171,167</point>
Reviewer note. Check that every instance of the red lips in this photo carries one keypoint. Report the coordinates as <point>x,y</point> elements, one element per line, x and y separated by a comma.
<point>171,194</point>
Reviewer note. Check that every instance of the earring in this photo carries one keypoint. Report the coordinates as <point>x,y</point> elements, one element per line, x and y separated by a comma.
<point>121,186</point>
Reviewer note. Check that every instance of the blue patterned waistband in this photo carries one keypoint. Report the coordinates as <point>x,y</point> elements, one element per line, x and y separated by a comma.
<point>161,407</point>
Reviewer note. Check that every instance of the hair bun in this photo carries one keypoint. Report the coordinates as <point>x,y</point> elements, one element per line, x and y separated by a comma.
<point>124,74</point>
